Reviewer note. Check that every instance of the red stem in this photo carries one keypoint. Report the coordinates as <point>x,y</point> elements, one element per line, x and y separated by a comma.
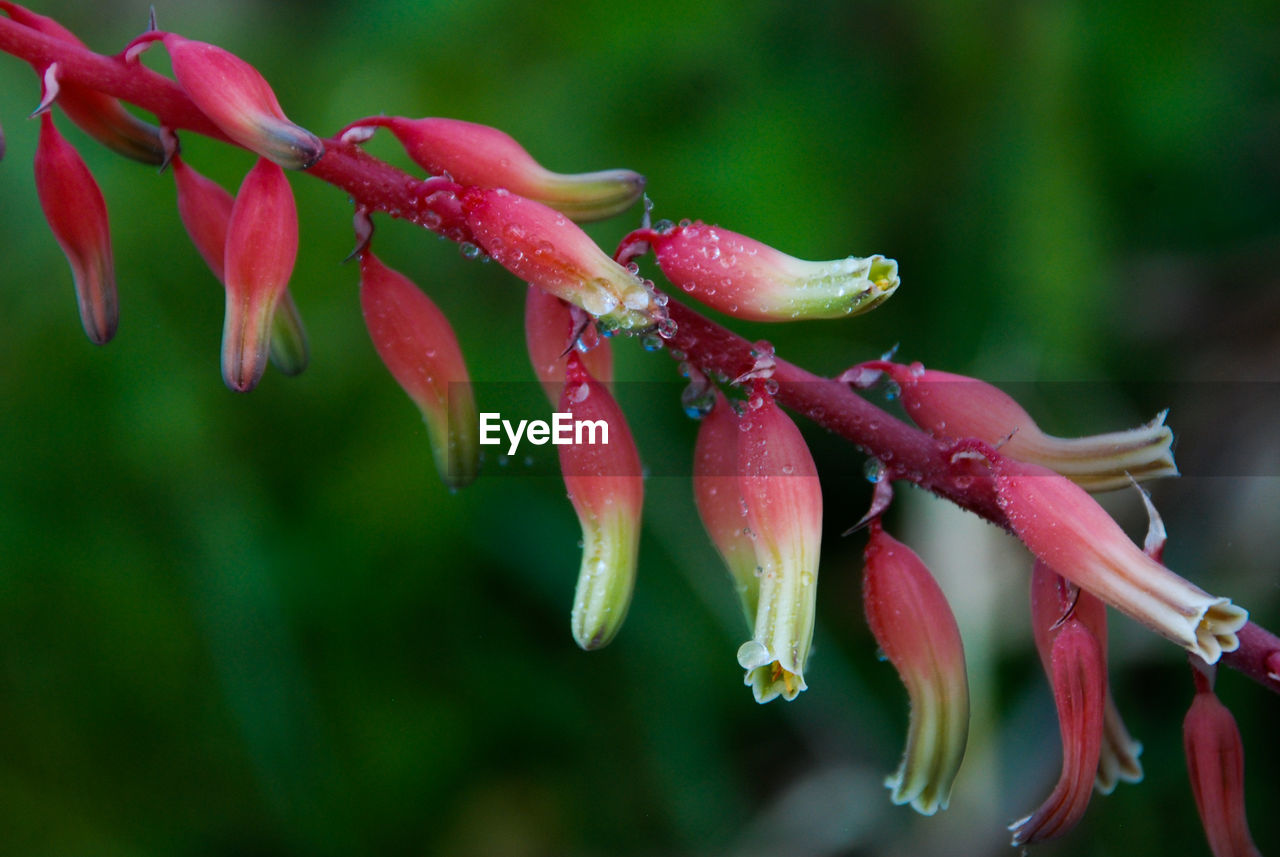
<point>906,452</point>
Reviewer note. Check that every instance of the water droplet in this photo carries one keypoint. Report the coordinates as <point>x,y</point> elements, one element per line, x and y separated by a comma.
<point>771,387</point>
<point>651,342</point>
<point>686,223</point>
<point>788,469</point>
<point>662,227</point>
<point>752,654</point>
<point>755,403</point>
<point>469,250</point>
<point>873,470</point>
<point>667,328</point>
<point>917,369</point>
<point>431,219</point>
<point>633,269</point>
<point>698,398</point>
<point>892,391</point>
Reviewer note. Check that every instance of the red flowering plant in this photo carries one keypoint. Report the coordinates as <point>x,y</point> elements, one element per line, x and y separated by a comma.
<point>755,484</point>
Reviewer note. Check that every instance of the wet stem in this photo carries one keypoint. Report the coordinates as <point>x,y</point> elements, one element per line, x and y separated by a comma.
<point>374,185</point>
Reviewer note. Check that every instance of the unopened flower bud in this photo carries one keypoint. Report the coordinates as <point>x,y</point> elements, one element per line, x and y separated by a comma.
<point>545,248</point>
<point>1069,531</point>
<point>1075,662</point>
<point>261,247</point>
<point>205,209</point>
<point>482,156</point>
<point>77,215</point>
<point>916,630</point>
<point>955,407</point>
<point>1215,762</point>
<point>236,98</point>
<point>418,346</point>
<point>551,331</point>
<point>718,496</point>
<point>601,471</point>
<point>783,498</point>
<point>100,116</point>
<point>750,280</point>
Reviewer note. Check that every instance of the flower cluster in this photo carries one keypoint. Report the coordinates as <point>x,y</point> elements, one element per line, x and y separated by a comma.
<point>755,484</point>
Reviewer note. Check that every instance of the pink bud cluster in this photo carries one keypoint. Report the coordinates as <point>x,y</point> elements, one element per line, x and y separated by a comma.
<point>755,484</point>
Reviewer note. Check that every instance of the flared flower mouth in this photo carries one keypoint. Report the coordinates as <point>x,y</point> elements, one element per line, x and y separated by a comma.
<point>1069,531</point>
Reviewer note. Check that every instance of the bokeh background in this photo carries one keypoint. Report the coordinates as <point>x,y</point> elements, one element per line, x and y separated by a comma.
<point>258,625</point>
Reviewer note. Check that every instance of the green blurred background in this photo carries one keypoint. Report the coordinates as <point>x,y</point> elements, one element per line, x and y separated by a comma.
<point>258,625</point>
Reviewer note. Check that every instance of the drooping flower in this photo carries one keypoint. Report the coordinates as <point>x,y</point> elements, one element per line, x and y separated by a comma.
<point>750,280</point>
<point>721,507</point>
<point>77,215</point>
<point>545,248</point>
<point>1075,662</point>
<point>601,470</point>
<point>1215,762</point>
<point>99,115</point>
<point>236,98</point>
<point>418,346</point>
<point>205,209</point>
<point>261,248</point>
<point>482,156</point>
<point>551,331</point>
<point>1066,528</point>
<point>783,498</point>
<point>955,407</point>
<point>916,630</point>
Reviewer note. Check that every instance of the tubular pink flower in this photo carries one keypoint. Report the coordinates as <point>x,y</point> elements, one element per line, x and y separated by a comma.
<point>718,496</point>
<point>100,116</point>
<point>1215,762</point>
<point>261,247</point>
<point>602,474</point>
<point>955,407</point>
<point>77,215</point>
<point>205,209</point>
<point>783,498</point>
<point>551,332</point>
<point>1068,530</point>
<point>915,628</point>
<point>239,101</point>
<point>747,279</point>
<point>419,348</point>
<point>482,156</point>
<point>1075,662</point>
<point>544,248</point>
